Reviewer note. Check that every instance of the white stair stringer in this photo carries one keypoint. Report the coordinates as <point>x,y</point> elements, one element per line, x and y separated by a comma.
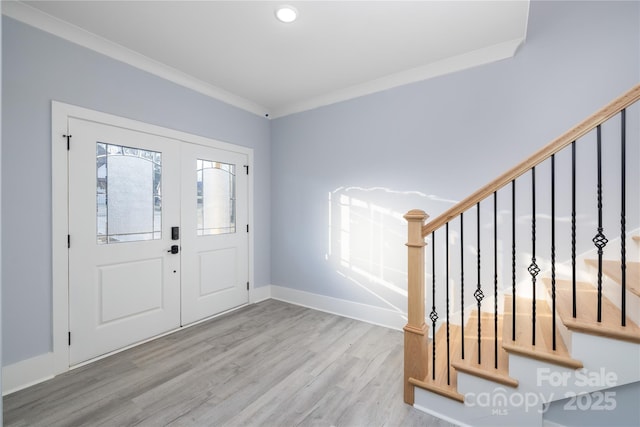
<point>608,365</point>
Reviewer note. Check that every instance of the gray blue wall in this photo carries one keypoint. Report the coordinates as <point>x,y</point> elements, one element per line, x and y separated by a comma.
<point>39,68</point>
<point>340,172</point>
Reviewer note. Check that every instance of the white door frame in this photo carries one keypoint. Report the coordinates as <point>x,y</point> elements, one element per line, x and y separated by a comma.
<point>60,113</point>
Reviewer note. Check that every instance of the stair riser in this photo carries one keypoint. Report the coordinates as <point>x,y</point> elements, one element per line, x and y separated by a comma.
<point>501,402</point>
<point>613,291</point>
<point>555,382</point>
<point>619,357</point>
<point>479,409</point>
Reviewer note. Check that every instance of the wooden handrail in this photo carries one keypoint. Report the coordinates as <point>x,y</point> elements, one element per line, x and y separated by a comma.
<point>558,144</point>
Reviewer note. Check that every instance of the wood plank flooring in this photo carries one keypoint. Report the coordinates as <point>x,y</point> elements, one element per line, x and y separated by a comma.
<point>268,364</point>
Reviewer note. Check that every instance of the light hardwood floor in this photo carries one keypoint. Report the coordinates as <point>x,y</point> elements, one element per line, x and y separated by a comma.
<point>268,364</point>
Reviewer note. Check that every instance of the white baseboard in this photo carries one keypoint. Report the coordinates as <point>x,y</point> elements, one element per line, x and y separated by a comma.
<point>354,310</point>
<point>27,373</point>
<point>260,294</point>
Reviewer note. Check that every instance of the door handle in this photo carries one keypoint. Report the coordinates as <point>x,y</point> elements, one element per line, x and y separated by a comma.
<point>174,249</point>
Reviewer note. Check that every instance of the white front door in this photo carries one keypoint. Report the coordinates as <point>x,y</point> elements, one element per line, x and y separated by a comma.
<point>214,231</point>
<point>127,191</point>
<point>124,197</point>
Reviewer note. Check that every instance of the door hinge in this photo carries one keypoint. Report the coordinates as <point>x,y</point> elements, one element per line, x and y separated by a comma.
<point>247,285</point>
<point>68,141</point>
<point>247,228</point>
<point>247,168</point>
<point>69,338</point>
<point>68,241</point>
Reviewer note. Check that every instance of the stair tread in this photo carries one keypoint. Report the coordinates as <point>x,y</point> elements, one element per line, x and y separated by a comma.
<point>586,315</point>
<point>523,345</point>
<point>613,270</point>
<point>440,385</point>
<point>486,368</point>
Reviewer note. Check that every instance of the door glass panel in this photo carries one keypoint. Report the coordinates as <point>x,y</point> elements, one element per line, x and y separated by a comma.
<point>216,198</point>
<point>128,194</point>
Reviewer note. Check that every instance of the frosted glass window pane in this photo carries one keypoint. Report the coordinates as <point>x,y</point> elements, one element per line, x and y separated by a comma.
<point>216,198</point>
<point>128,194</point>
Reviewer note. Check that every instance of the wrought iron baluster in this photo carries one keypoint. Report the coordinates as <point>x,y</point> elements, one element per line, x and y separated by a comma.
<point>533,267</point>
<point>495,279</point>
<point>553,250</point>
<point>433,315</point>
<point>447,299</point>
<point>623,214</point>
<point>599,240</point>
<point>513,259</point>
<point>478,292</point>
<point>573,226</point>
<point>462,282</point>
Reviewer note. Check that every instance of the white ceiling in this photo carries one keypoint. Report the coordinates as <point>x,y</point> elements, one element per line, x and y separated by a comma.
<point>238,52</point>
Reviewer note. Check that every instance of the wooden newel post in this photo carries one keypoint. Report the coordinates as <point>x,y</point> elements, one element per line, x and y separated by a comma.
<point>415,332</point>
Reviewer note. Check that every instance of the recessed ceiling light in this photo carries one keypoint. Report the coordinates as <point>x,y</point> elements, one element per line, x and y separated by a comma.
<point>286,14</point>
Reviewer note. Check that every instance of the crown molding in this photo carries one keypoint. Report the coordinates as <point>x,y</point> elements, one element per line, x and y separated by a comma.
<point>45,22</point>
<point>450,65</point>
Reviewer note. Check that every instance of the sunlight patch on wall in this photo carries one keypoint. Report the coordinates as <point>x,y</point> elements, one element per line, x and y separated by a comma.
<point>366,239</point>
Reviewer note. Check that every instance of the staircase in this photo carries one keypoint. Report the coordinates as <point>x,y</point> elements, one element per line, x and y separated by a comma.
<point>539,341</point>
